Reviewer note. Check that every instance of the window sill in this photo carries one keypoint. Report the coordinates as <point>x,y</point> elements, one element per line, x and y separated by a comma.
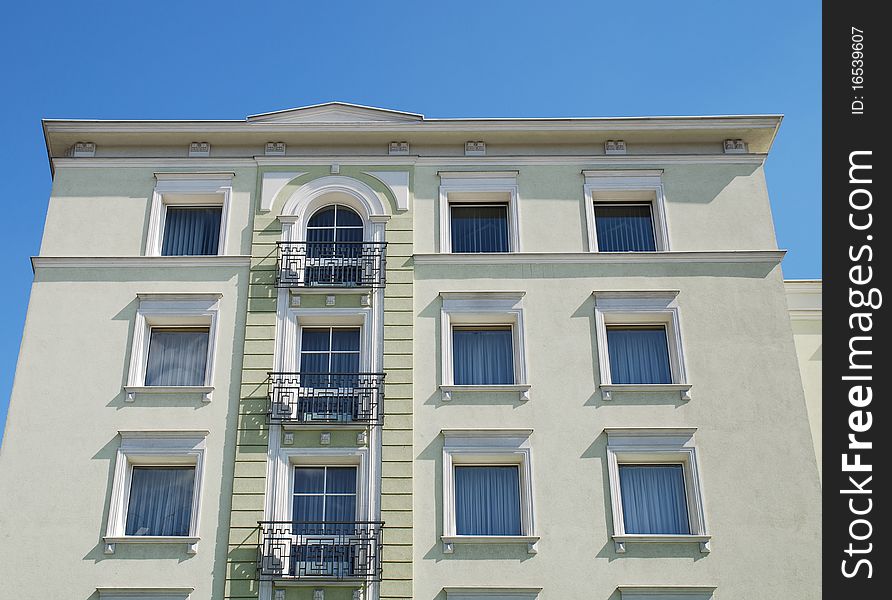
<point>449,541</point>
<point>607,390</point>
<point>133,390</point>
<point>110,541</point>
<point>621,540</point>
<point>522,388</point>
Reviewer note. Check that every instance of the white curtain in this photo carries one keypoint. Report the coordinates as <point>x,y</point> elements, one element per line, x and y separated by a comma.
<point>160,501</point>
<point>177,357</point>
<point>654,500</point>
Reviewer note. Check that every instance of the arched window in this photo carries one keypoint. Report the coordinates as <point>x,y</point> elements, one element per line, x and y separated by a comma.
<point>335,247</point>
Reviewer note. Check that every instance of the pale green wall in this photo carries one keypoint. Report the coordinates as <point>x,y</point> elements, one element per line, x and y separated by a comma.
<point>67,406</point>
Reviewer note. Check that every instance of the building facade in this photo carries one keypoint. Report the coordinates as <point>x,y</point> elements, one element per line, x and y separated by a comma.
<point>339,352</point>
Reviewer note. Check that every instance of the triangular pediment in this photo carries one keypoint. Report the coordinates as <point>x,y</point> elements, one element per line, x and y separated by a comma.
<point>336,112</point>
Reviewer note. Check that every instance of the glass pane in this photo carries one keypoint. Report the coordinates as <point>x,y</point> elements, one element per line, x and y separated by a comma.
<point>487,501</point>
<point>624,228</point>
<point>308,509</point>
<point>347,217</point>
<point>479,228</point>
<point>340,508</point>
<point>345,340</point>
<point>190,231</point>
<point>160,501</point>
<point>323,218</point>
<point>345,363</point>
<point>653,498</point>
<point>314,339</point>
<point>177,357</point>
<point>341,480</point>
<point>315,248</point>
<point>638,355</point>
<point>309,480</point>
<point>482,356</point>
<point>313,363</point>
<point>350,234</point>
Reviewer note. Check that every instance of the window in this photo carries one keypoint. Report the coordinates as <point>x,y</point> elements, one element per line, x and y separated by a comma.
<point>173,345</point>
<point>482,356</point>
<point>487,488</point>
<point>177,356</point>
<point>639,343</point>
<point>188,214</point>
<point>487,500</point>
<point>330,380</point>
<point>478,212</point>
<point>482,346</point>
<point>144,593</point>
<point>324,498</point>
<point>491,593</point>
<point>625,211</point>
<point>156,488</point>
<point>667,592</point>
<point>479,228</point>
<point>624,227</point>
<point>335,247</point>
<point>655,487</point>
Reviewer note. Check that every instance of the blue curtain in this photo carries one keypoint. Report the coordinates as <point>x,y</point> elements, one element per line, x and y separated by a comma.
<point>160,501</point>
<point>324,494</point>
<point>177,357</point>
<point>479,228</point>
<point>624,228</point>
<point>190,231</point>
<point>487,501</point>
<point>482,356</point>
<point>653,499</point>
<point>638,355</point>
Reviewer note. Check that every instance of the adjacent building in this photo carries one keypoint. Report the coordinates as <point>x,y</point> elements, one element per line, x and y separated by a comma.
<point>340,352</point>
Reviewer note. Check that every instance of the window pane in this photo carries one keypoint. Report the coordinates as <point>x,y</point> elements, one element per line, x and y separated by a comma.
<point>190,231</point>
<point>347,217</point>
<point>345,340</point>
<point>323,218</point>
<point>160,501</point>
<point>653,498</point>
<point>177,357</point>
<point>624,228</point>
<point>308,509</point>
<point>638,355</point>
<point>341,480</point>
<point>487,501</point>
<point>315,340</point>
<point>482,356</point>
<point>479,228</point>
<point>340,508</point>
<point>309,480</point>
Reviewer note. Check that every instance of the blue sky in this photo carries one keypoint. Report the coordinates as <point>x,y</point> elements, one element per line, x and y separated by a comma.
<point>484,58</point>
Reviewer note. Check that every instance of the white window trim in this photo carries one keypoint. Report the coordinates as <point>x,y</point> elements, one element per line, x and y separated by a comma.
<point>641,308</point>
<point>659,445</point>
<point>175,189</point>
<point>171,310</point>
<point>154,448</point>
<point>666,592</point>
<point>485,183</point>
<point>626,186</point>
<point>484,309</point>
<point>488,447</point>
<point>492,593</point>
<point>144,593</point>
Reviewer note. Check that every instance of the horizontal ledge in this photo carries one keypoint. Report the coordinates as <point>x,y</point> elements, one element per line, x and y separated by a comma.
<point>334,426</point>
<point>138,261</point>
<point>292,581</point>
<point>489,590</point>
<point>520,387</point>
<point>149,539</point>
<point>490,539</point>
<point>662,539</point>
<point>145,590</point>
<point>662,589</point>
<point>648,388</point>
<point>204,391</point>
<point>557,258</point>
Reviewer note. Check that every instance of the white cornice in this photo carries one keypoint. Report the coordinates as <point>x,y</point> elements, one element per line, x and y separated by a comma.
<point>138,261</point>
<point>195,175</point>
<point>515,258</point>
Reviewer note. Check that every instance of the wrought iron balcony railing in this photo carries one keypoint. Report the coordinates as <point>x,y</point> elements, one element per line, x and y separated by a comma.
<point>331,264</point>
<point>326,398</point>
<point>320,550</point>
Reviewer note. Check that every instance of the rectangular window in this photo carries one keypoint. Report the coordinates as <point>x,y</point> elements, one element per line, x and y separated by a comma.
<point>324,494</point>
<point>160,501</point>
<point>483,355</point>
<point>638,354</point>
<point>653,499</point>
<point>328,353</point>
<point>487,500</point>
<point>479,227</point>
<point>624,227</point>
<point>191,230</point>
<point>177,356</point>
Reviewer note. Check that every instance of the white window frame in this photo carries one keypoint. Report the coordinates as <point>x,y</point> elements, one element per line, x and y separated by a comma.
<point>656,445</point>
<point>623,187</point>
<point>484,309</point>
<point>154,449</point>
<point>166,311</point>
<point>488,447</point>
<point>492,593</point>
<point>659,308</point>
<point>478,187</point>
<point>187,189</point>
<point>141,593</point>
<point>666,592</point>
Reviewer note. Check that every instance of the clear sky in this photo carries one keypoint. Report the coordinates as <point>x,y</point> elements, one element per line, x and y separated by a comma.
<point>483,58</point>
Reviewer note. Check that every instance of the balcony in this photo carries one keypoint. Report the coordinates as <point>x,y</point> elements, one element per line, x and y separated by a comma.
<point>331,264</point>
<point>326,398</point>
<point>320,551</point>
